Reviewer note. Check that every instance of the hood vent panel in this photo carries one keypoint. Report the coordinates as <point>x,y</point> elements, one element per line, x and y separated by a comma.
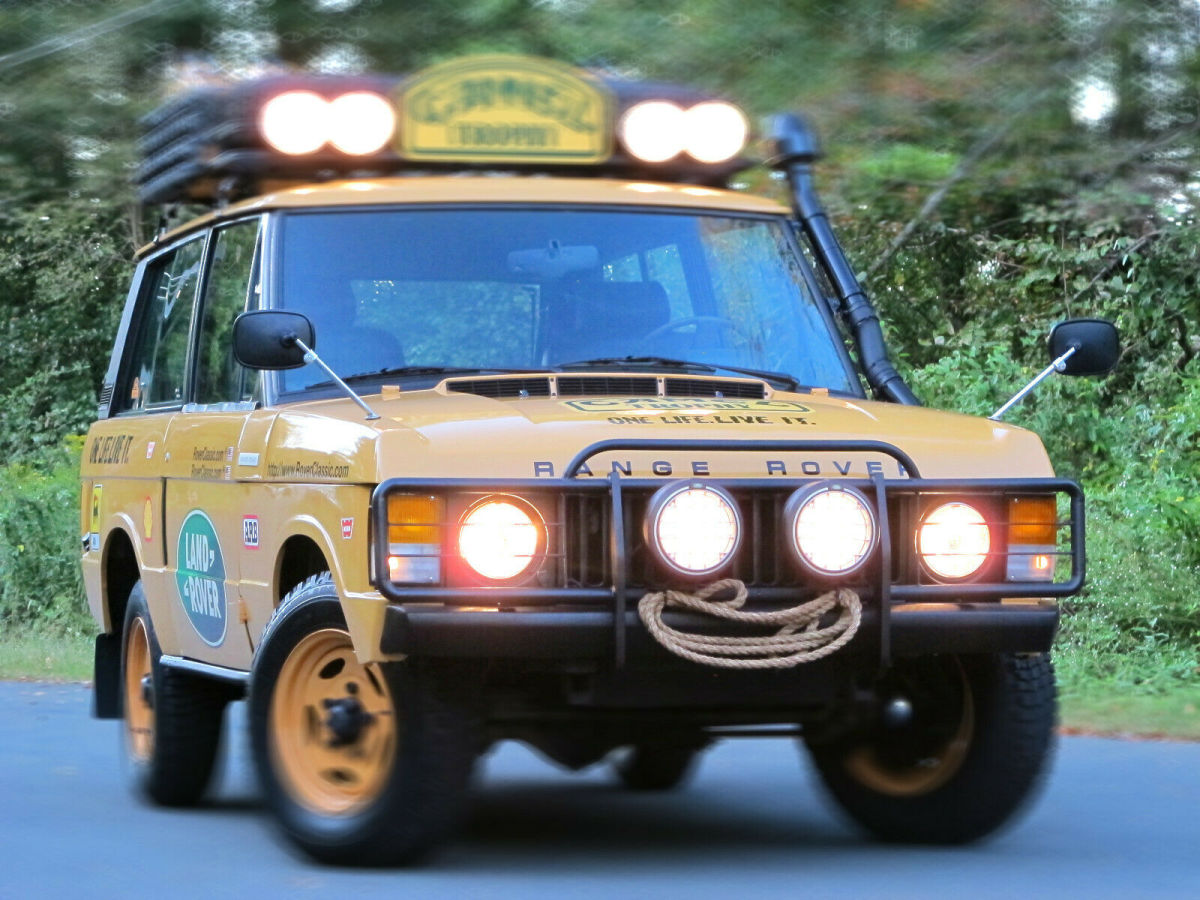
<point>509,387</point>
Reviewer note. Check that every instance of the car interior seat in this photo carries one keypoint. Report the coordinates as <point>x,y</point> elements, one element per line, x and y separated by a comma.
<point>591,320</point>
<point>348,347</point>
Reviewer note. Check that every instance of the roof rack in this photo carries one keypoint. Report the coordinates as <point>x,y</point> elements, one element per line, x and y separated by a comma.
<point>220,142</point>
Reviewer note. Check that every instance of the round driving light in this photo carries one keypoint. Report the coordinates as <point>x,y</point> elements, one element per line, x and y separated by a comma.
<point>295,122</point>
<point>361,122</point>
<point>693,529</point>
<point>714,132</point>
<point>500,538</point>
<point>653,131</point>
<point>833,528</point>
<point>953,540</point>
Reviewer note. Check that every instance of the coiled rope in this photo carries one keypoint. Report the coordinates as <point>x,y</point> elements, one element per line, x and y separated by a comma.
<point>797,640</point>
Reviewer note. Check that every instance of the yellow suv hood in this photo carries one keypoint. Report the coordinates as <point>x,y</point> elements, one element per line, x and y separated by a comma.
<point>437,433</point>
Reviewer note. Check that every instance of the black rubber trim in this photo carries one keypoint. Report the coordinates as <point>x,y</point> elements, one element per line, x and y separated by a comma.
<point>106,680</point>
<point>438,631</point>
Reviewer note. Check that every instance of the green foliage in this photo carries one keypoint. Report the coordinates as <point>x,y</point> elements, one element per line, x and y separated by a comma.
<point>63,271</point>
<point>40,580</point>
<point>1136,627</point>
<point>1058,217</point>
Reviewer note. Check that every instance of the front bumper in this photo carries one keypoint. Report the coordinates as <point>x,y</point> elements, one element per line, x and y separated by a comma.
<point>914,629</point>
<point>905,613</point>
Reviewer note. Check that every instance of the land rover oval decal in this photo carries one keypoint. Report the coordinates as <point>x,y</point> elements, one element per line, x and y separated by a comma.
<point>201,578</point>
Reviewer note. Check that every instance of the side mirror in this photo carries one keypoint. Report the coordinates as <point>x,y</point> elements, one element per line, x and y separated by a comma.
<point>1095,341</point>
<point>266,338</point>
<point>1077,347</point>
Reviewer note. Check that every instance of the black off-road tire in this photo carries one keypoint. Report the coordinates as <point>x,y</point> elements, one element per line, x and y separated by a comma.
<point>1010,741</point>
<point>422,784</point>
<point>185,714</point>
<point>655,766</point>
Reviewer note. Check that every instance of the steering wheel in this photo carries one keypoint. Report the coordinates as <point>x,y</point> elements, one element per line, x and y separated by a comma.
<point>679,324</point>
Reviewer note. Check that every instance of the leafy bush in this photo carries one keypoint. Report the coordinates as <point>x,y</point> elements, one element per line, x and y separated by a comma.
<point>1136,626</point>
<point>40,580</point>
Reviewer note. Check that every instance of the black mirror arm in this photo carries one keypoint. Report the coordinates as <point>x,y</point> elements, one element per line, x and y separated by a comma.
<point>1059,365</point>
<point>310,356</point>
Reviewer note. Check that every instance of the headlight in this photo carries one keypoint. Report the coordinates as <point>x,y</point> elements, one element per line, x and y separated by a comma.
<point>715,132</point>
<point>299,122</point>
<point>954,540</point>
<point>295,122</point>
<point>833,528</point>
<point>501,538</point>
<point>361,122</point>
<point>693,529</point>
<point>655,131</point>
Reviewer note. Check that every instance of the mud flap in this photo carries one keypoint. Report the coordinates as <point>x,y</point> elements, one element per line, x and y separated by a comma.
<point>106,682</point>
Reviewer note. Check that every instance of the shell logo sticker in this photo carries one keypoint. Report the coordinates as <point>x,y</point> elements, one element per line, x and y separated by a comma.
<point>200,577</point>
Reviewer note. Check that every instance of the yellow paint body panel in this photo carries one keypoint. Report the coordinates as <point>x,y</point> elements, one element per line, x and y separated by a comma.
<point>307,470</point>
<point>487,189</point>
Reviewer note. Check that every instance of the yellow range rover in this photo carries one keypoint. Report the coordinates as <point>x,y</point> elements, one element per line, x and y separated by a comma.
<point>477,407</point>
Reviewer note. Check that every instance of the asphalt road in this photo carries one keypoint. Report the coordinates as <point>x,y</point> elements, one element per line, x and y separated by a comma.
<point>1117,819</point>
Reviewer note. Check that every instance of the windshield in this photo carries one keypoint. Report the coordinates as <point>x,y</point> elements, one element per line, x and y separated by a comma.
<point>515,289</point>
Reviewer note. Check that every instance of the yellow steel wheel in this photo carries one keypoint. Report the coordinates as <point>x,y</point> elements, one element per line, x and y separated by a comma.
<point>172,720</point>
<point>332,725</point>
<point>979,733</point>
<point>139,702</point>
<point>923,772</point>
<point>360,764</point>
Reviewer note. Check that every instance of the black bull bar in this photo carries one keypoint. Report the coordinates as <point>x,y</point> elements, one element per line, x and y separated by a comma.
<point>914,617</point>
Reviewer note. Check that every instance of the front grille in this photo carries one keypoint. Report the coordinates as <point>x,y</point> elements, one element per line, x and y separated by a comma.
<point>502,388</point>
<point>583,544</point>
<point>705,387</point>
<point>761,561</point>
<point>606,385</point>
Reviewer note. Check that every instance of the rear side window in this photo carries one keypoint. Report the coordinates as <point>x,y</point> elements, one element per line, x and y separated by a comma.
<point>158,364</point>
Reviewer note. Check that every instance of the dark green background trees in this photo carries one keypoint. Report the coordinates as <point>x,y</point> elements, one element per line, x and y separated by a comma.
<point>993,167</point>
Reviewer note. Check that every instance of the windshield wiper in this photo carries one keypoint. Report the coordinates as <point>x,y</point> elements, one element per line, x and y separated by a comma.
<point>400,371</point>
<point>781,378</point>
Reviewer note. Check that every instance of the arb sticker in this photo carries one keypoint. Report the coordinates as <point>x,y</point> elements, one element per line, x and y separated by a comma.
<point>201,578</point>
<point>250,532</point>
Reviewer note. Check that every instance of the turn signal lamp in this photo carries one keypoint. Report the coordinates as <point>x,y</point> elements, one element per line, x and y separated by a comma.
<point>299,122</point>
<point>655,131</point>
<point>415,538</point>
<point>1032,538</point>
<point>693,529</point>
<point>501,538</point>
<point>833,529</point>
<point>954,540</point>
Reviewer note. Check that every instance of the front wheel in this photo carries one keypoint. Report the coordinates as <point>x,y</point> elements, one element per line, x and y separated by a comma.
<point>361,764</point>
<point>980,733</point>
